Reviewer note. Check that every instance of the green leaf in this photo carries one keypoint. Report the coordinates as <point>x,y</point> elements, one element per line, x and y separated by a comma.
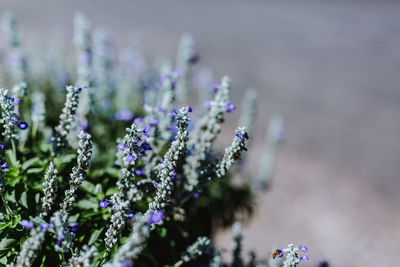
<point>95,235</point>
<point>7,243</point>
<point>88,187</point>
<point>24,200</point>
<point>28,163</point>
<point>35,170</point>
<point>86,204</point>
<point>111,191</point>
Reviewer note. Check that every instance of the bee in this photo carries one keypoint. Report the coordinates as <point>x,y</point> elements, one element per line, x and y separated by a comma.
<point>277,253</point>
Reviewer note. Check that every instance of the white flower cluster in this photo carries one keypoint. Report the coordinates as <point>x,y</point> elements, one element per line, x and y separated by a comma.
<point>8,116</point>
<point>19,90</point>
<point>134,244</point>
<point>50,190</point>
<point>84,258</point>
<point>67,118</point>
<point>206,132</point>
<point>118,220</point>
<point>166,169</point>
<point>127,154</point>
<point>29,249</point>
<point>233,152</point>
<point>38,111</point>
<point>78,172</point>
<point>196,249</point>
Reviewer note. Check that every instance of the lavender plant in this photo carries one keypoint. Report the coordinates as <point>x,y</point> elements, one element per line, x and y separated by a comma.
<point>157,201</point>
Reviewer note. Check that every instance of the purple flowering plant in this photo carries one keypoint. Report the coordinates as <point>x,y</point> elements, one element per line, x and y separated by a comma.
<point>113,184</point>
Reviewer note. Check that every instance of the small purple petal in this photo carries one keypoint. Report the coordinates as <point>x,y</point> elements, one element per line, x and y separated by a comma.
<point>4,166</point>
<point>229,106</point>
<point>121,147</point>
<point>23,125</point>
<point>215,87</point>
<point>196,195</point>
<point>304,258</point>
<point>155,217</point>
<point>140,172</point>
<point>189,109</point>
<point>240,136</point>
<point>14,102</point>
<point>104,204</point>
<point>1,146</point>
<point>138,120</point>
<point>207,103</point>
<point>28,225</point>
<point>45,226</point>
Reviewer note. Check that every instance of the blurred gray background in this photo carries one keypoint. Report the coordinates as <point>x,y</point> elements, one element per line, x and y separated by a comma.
<point>331,68</point>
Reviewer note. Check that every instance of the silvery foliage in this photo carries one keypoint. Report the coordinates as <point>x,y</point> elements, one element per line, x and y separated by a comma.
<point>134,244</point>
<point>67,118</point>
<point>19,90</point>
<point>79,171</point>
<point>206,132</point>
<point>15,56</point>
<point>49,190</point>
<point>198,248</point>
<point>8,116</point>
<point>237,245</point>
<point>271,144</point>
<point>166,169</point>
<point>233,152</point>
<point>186,53</point>
<point>84,258</point>
<point>249,110</point>
<point>118,220</point>
<point>62,234</point>
<point>30,248</point>
<point>216,259</point>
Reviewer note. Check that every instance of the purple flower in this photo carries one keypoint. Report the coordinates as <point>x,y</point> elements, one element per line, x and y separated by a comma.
<point>45,226</point>
<point>73,226</point>
<point>155,217</point>
<point>156,184</point>
<point>189,109</point>
<point>83,125</point>
<point>160,109</point>
<point>304,258</point>
<point>140,172</point>
<point>1,146</point>
<point>130,158</point>
<point>215,87</point>
<point>4,166</point>
<point>146,146</point>
<point>23,125</point>
<point>121,147</point>
<point>154,122</point>
<point>304,249</point>
<point>123,115</point>
<point>240,136</point>
<point>28,225</point>
<point>172,114</point>
<point>229,106</point>
<point>80,88</point>
<point>138,120</point>
<point>13,121</point>
<point>13,102</point>
<point>196,195</point>
<point>126,264</point>
<point>104,204</point>
<point>130,214</point>
<point>50,140</point>
<point>60,238</point>
<point>146,130</point>
<point>173,176</point>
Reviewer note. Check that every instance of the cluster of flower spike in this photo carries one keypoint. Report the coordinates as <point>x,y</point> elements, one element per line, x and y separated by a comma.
<point>50,190</point>
<point>196,249</point>
<point>84,258</point>
<point>9,118</point>
<point>67,118</point>
<point>134,244</point>
<point>78,172</point>
<point>118,219</point>
<point>206,132</point>
<point>166,169</point>
<point>30,248</point>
